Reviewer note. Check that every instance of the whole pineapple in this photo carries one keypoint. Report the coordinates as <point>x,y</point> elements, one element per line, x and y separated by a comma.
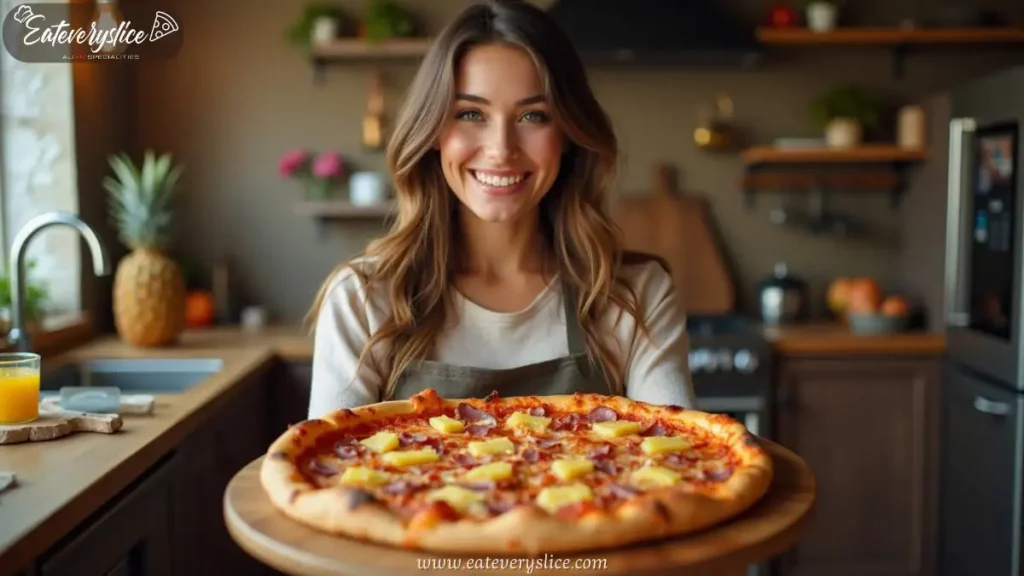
<point>149,288</point>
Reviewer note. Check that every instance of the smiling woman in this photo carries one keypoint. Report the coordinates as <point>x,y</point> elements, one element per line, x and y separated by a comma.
<point>502,271</point>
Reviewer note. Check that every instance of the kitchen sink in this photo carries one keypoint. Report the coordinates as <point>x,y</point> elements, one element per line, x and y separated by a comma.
<point>134,375</point>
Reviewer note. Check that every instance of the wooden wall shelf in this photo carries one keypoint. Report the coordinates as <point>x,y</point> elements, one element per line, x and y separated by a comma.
<point>341,209</point>
<point>889,36</point>
<point>860,154</point>
<point>351,50</point>
<point>899,40</point>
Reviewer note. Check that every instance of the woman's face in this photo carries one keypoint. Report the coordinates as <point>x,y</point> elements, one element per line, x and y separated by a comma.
<point>500,149</point>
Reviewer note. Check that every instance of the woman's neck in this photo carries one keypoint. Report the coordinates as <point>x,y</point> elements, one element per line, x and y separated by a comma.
<point>502,249</point>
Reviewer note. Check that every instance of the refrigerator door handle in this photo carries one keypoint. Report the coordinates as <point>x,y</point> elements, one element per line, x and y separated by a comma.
<point>959,178</point>
<point>982,404</point>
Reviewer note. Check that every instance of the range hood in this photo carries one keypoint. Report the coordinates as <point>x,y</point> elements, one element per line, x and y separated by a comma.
<point>656,32</point>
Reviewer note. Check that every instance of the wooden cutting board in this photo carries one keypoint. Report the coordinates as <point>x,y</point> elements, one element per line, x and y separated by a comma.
<point>55,424</point>
<point>677,227</point>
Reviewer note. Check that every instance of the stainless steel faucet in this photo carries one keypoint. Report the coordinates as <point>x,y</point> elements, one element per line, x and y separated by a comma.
<point>18,336</point>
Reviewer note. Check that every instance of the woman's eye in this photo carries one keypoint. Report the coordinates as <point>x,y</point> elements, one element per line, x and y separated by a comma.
<point>471,115</point>
<point>535,116</point>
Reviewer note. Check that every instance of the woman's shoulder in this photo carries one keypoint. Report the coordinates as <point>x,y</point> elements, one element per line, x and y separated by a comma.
<point>352,283</point>
<point>646,274</point>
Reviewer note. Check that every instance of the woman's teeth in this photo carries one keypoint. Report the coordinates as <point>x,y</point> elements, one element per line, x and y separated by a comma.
<point>498,180</point>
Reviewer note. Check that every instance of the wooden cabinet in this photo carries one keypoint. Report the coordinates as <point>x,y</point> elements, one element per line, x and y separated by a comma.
<point>289,394</point>
<point>129,538</point>
<point>868,427</point>
<point>233,435</point>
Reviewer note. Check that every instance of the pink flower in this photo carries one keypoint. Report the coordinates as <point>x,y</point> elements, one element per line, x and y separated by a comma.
<point>292,162</point>
<point>327,165</point>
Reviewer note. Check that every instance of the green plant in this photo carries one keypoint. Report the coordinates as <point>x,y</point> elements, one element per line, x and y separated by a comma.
<point>300,30</point>
<point>847,101</point>
<point>386,19</point>
<point>36,294</point>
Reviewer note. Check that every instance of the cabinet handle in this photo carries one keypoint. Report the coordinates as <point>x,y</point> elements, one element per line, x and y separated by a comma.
<point>982,404</point>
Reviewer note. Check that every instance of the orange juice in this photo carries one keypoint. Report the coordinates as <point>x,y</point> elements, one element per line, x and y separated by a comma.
<point>19,395</point>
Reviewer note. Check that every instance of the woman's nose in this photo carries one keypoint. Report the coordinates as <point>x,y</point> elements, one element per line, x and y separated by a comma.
<point>501,142</point>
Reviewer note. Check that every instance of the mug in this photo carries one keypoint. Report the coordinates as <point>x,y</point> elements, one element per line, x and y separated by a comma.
<point>367,188</point>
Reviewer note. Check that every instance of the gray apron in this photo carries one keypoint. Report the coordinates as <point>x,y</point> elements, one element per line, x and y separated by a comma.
<point>566,375</point>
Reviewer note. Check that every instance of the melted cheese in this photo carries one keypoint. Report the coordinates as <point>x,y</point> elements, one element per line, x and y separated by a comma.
<point>493,471</point>
<point>491,447</point>
<point>570,468</point>
<point>554,497</point>
<point>381,442</point>
<point>524,421</point>
<point>446,424</point>
<point>364,477</point>
<point>410,457</point>
<point>663,444</point>
<point>616,428</point>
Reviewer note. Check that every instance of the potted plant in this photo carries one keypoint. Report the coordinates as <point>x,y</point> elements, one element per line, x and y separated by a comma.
<point>36,297</point>
<point>821,15</point>
<point>319,23</point>
<point>844,112</point>
<point>385,19</point>
<point>320,173</point>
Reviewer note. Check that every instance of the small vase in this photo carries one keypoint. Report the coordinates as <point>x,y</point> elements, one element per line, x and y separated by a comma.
<point>317,189</point>
<point>821,16</point>
<point>843,133</point>
<point>325,30</point>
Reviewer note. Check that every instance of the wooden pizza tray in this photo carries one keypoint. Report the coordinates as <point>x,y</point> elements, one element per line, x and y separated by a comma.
<point>769,528</point>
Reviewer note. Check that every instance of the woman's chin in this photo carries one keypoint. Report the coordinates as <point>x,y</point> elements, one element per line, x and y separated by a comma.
<point>497,211</point>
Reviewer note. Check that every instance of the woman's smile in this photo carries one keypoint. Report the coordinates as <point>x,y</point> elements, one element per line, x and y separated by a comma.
<point>500,182</point>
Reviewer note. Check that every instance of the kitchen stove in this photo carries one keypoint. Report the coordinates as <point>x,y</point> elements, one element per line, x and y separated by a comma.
<point>731,367</point>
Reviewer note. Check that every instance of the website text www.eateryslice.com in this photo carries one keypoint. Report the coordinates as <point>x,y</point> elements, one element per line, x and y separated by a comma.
<point>525,565</point>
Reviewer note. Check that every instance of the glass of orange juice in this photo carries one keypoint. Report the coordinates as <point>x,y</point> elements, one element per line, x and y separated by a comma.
<point>19,387</point>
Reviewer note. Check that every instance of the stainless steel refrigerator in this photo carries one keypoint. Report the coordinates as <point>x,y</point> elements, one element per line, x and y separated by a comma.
<point>983,392</point>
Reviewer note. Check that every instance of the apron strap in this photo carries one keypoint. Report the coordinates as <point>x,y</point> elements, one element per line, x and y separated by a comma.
<point>574,332</point>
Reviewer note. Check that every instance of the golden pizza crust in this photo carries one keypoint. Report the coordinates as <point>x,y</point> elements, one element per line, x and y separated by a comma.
<point>657,513</point>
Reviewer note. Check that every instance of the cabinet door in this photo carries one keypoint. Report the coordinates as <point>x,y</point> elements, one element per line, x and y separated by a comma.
<point>131,539</point>
<point>981,478</point>
<point>867,427</point>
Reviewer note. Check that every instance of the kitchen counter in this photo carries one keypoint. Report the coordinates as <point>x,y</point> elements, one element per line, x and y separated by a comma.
<point>828,338</point>
<point>62,481</point>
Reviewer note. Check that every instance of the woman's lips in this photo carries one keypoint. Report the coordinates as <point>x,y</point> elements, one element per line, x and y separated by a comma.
<point>500,183</point>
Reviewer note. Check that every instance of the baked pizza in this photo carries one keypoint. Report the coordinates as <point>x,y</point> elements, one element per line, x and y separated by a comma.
<point>523,475</point>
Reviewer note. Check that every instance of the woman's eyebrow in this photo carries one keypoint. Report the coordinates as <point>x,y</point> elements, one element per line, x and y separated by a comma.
<point>481,100</point>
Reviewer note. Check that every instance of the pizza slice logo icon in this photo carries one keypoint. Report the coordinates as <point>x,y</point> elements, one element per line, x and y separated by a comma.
<point>163,25</point>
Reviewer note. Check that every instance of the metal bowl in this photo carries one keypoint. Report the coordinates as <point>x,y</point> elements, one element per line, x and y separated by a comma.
<point>877,323</point>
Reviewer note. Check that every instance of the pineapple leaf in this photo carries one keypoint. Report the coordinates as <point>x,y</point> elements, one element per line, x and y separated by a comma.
<point>140,199</point>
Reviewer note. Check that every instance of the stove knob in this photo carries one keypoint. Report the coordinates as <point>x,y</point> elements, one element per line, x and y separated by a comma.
<point>724,359</point>
<point>745,361</point>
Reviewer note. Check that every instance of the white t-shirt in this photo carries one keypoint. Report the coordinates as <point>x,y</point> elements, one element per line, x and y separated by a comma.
<point>657,370</point>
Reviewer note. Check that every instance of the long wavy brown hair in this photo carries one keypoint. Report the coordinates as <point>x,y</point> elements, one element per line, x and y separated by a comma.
<point>415,261</point>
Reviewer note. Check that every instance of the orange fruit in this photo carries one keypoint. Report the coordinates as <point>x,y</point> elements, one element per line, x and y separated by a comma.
<point>895,306</point>
<point>199,308</point>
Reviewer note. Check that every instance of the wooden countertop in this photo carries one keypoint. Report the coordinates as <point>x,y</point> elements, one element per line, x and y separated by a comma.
<point>63,481</point>
<point>825,339</point>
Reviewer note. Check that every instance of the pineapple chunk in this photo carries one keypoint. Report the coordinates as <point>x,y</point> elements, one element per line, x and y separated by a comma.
<point>616,428</point>
<point>459,498</point>
<point>362,476</point>
<point>569,468</point>
<point>655,476</point>
<point>493,471</point>
<point>491,447</point>
<point>663,444</point>
<point>446,424</point>
<point>381,442</point>
<point>524,421</point>
<point>410,457</point>
<point>554,497</point>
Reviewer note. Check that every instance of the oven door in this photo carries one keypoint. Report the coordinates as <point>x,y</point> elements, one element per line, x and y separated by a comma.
<point>748,410</point>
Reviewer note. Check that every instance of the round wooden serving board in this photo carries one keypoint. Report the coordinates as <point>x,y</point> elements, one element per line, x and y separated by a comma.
<point>770,527</point>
